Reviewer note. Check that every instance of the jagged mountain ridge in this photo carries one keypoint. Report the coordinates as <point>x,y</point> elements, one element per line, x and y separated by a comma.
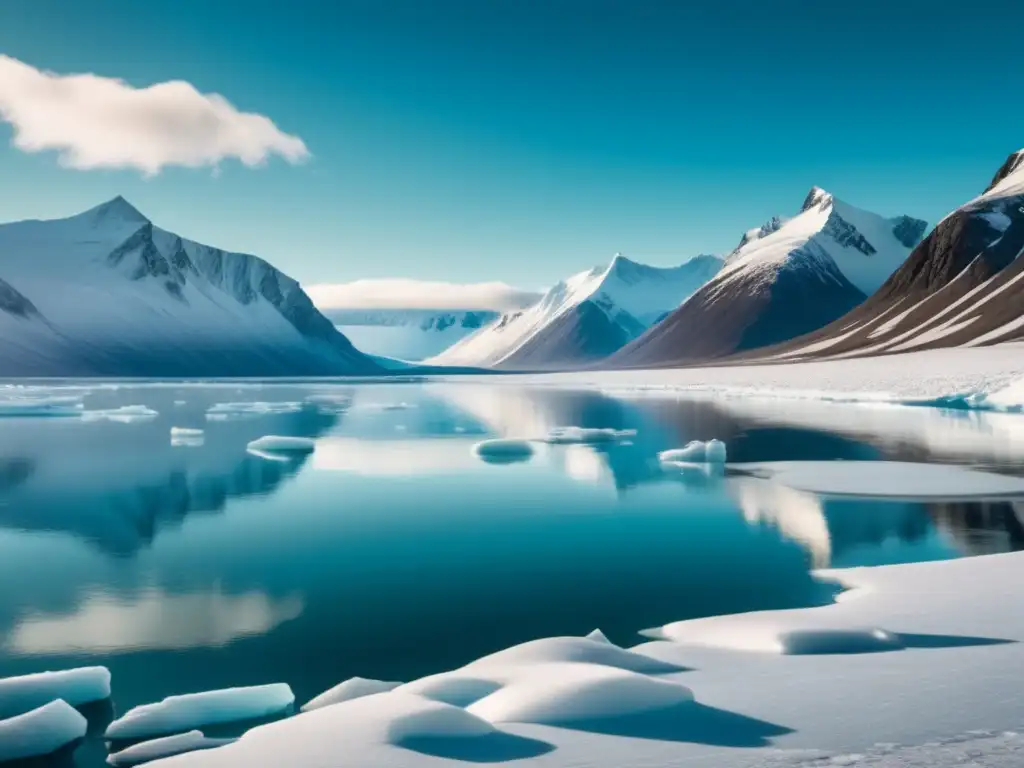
<point>107,292</point>
<point>960,286</point>
<point>784,279</point>
<point>583,318</point>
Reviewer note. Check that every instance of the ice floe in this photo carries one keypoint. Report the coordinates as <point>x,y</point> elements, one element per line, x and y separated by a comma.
<point>126,414</point>
<point>503,450</point>
<point>176,714</point>
<point>282,444</point>
<point>232,411</point>
<point>695,452</point>
<point>40,732</point>
<point>166,746</point>
<point>20,407</point>
<point>568,435</point>
<point>886,479</point>
<point>75,686</point>
<point>353,688</point>
<point>187,437</point>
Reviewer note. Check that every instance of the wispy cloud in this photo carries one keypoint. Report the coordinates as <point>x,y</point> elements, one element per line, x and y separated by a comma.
<point>401,293</point>
<point>101,122</point>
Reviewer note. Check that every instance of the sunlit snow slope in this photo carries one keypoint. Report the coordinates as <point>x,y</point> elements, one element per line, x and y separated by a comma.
<point>108,293</point>
<point>584,318</point>
<point>787,278</point>
<point>961,286</point>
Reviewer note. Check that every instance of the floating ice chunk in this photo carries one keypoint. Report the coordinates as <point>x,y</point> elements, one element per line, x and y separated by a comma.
<point>579,649</point>
<point>599,637</point>
<point>397,406</point>
<point>232,411</point>
<point>329,403</point>
<point>887,479</point>
<point>40,732</point>
<point>40,406</point>
<point>695,452</point>
<point>75,686</point>
<point>168,746</point>
<point>565,692</point>
<point>503,450</point>
<point>179,402</point>
<point>454,688</point>
<point>774,632</point>
<point>353,688</point>
<point>126,414</point>
<point>186,437</point>
<point>280,444</point>
<point>564,435</point>
<point>176,714</point>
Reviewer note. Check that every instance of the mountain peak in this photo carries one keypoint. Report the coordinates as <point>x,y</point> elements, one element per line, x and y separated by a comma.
<point>815,198</point>
<point>116,210</point>
<point>1013,163</point>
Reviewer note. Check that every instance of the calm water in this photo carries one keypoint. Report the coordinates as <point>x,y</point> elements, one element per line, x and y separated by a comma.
<point>393,552</point>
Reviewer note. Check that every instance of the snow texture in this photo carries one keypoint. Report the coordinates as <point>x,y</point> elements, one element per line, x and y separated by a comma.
<point>167,746</point>
<point>353,688</point>
<point>40,732</point>
<point>84,685</point>
<point>177,714</point>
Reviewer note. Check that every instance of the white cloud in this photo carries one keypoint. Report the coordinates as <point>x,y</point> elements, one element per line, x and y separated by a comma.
<point>400,293</point>
<point>101,122</point>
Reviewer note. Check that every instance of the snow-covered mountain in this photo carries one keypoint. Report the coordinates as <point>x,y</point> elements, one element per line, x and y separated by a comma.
<point>584,318</point>
<point>960,287</point>
<point>408,334</point>
<point>108,293</point>
<point>786,278</point>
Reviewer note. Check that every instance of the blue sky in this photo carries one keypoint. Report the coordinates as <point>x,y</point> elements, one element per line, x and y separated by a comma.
<point>521,140</point>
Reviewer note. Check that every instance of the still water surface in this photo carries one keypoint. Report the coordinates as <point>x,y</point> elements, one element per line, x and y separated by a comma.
<point>394,552</point>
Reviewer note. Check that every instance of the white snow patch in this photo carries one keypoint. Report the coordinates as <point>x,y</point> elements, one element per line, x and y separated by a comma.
<point>40,732</point>
<point>75,686</point>
<point>176,714</point>
<point>168,746</point>
<point>353,688</point>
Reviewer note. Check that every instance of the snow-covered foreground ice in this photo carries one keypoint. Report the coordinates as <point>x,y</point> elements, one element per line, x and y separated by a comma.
<point>914,665</point>
<point>176,714</point>
<point>40,732</point>
<point>353,688</point>
<point>84,685</point>
<point>167,746</point>
<point>886,479</point>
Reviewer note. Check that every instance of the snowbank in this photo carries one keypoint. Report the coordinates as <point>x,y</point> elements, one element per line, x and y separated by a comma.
<point>353,688</point>
<point>40,732</point>
<point>887,479</point>
<point>503,450</point>
<point>696,451</point>
<point>75,686</point>
<point>168,746</point>
<point>568,435</point>
<point>551,694</point>
<point>282,444</point>
<point>194,710</point>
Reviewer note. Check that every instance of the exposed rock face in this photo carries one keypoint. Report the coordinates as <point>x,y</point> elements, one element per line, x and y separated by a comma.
<point>960,285</point>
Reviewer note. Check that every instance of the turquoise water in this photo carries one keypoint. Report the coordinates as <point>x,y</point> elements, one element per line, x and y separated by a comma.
<point>393,551</point>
